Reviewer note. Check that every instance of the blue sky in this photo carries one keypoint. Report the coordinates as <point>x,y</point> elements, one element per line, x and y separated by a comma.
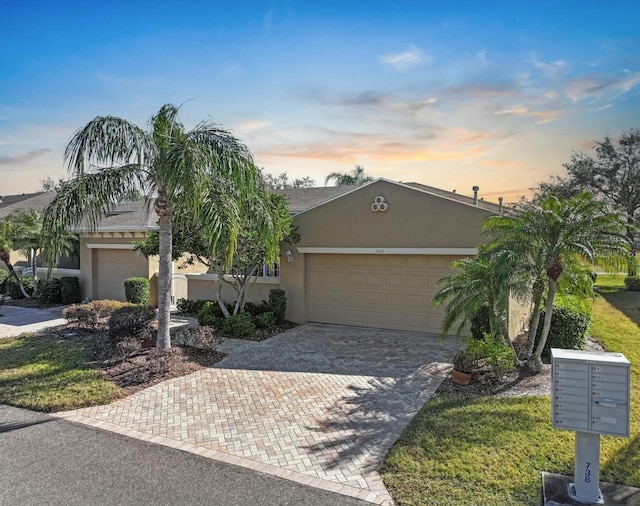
<point>497,94</point>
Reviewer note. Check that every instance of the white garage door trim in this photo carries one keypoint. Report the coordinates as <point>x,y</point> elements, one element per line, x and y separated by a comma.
<point>388,251</point>
<point>378,291</point>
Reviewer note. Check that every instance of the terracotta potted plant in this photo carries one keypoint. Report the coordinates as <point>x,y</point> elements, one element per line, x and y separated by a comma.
<point>463,366</point>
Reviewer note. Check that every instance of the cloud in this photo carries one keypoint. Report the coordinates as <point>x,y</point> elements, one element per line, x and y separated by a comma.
<point>500,163</point>
<point>543,116</point>
<point>404,61</point>
<point>31,155</point>
<point>250,126</point>
<point>551,68</point>
<point>125,81</point>
<point>599,87</point>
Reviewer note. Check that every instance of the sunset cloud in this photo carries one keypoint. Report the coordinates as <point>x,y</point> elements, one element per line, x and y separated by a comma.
<point>404,61</point>
<point>31,155</point>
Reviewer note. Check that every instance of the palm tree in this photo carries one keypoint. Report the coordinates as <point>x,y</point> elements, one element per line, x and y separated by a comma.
<point>111,158</point>
<point>550,237</point>
<point>354,178</point>
<point>478,282</point>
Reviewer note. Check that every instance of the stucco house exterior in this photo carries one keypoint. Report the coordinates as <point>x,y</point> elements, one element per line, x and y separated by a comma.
<point>368,256</point>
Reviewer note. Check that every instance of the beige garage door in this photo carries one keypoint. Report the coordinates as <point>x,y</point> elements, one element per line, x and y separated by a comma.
<point>113,266</point>
<point>381,291</point>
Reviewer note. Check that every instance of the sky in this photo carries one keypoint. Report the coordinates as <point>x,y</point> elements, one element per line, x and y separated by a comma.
<point>497,94</point>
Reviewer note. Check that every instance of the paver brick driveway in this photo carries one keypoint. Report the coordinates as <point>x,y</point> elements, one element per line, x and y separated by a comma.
<point>320,404</point>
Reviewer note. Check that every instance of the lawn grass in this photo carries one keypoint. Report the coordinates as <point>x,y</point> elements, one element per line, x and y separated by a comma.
<point>485,450</point>
<point>50,374</point>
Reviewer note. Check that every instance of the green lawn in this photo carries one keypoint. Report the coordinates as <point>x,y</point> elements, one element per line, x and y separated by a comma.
<point>491,451</point>
<point>50,374</point>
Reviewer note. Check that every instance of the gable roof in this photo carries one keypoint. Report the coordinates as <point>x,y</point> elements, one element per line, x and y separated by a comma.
<point>137,215</point>
<point>301,199</point>
<point>37,201</point>
<point>456,197</point>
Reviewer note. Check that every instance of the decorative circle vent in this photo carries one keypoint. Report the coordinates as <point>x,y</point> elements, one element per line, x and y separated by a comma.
<point>379,205</point>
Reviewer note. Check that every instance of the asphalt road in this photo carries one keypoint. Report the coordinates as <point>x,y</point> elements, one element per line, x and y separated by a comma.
<point>45,460</point>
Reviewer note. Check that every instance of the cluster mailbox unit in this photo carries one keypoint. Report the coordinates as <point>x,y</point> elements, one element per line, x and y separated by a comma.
<point>590,395</point>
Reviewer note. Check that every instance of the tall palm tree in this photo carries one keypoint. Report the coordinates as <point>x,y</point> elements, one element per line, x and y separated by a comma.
<point>550,237</point>
<point>110,158</point>
<point>356,177</point>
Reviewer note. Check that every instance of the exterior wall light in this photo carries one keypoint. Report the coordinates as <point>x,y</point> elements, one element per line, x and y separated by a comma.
<point>289,255</point>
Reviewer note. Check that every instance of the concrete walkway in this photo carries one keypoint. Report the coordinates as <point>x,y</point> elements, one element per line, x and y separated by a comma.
<point>319,405</point>
<point>20,320</point>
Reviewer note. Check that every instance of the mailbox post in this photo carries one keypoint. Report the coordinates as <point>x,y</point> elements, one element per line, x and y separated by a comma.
<point>590,395</point>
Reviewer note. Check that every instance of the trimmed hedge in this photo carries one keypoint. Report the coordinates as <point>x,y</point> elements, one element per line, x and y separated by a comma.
<point>51,291</point>
<point>632,283</point>
<point>13,288</point>
<point>136,290</point>
<point>239,325</point>
<point>88,315</point>
<point>190,307</point>
<point>70,290</point>
<point>569,324</point>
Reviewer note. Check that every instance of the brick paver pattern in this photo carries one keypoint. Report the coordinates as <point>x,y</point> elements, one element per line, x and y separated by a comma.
<point>322,401</point>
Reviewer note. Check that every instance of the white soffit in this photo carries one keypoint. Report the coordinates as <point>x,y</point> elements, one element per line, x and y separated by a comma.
<point>109,246</point>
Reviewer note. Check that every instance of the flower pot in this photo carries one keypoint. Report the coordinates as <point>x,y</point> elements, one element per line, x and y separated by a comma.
<point>461,378</point>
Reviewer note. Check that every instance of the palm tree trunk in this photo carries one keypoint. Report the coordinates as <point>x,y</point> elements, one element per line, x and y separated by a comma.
<point>163,341</point>
<point>538,288</point>
<point>535,362</point>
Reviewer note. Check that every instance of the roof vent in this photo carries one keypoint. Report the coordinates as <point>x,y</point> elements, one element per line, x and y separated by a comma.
<point>475,195</point>
<point>500,199</point>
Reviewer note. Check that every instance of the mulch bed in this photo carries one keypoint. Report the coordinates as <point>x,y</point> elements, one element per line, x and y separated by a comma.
<point>30,302</point>
<point>139,369</point>
<point>516,383</point>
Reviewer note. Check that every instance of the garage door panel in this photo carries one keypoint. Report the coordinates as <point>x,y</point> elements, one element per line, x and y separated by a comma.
<point>385,291</point>
<point>375,279</point>
<point>355,297</point>
<point>395,299</point>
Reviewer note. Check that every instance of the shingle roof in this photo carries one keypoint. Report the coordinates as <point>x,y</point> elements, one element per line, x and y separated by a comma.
<point>37,201</point>
<point>137,215</point>
<point>490,206</point>
<point>301,199</point>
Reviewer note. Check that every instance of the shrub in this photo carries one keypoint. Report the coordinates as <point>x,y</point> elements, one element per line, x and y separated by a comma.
<point>190,307</point>
<point>632,283</point>
<point>480,325</point>
<point>136,290</point>
<point>130,321</point>
<point>70,290</point>
<point>13,287</point>
<point>464,362</point>
<point>265,320</point>
<point>106,307</point>
<point>256,309</point>
<point>210,315</point>
<point>569,324</point>
<point>51,291</point>
<point>200,337</point>
<point>4,275</point>
<point>277,303</point>
<point>239,325</point>
<point>82,315</point>
<point>493,353</point>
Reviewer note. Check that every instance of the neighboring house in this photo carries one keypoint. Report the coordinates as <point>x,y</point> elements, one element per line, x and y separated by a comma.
<point>36,201</point>
<point>369,255</point>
